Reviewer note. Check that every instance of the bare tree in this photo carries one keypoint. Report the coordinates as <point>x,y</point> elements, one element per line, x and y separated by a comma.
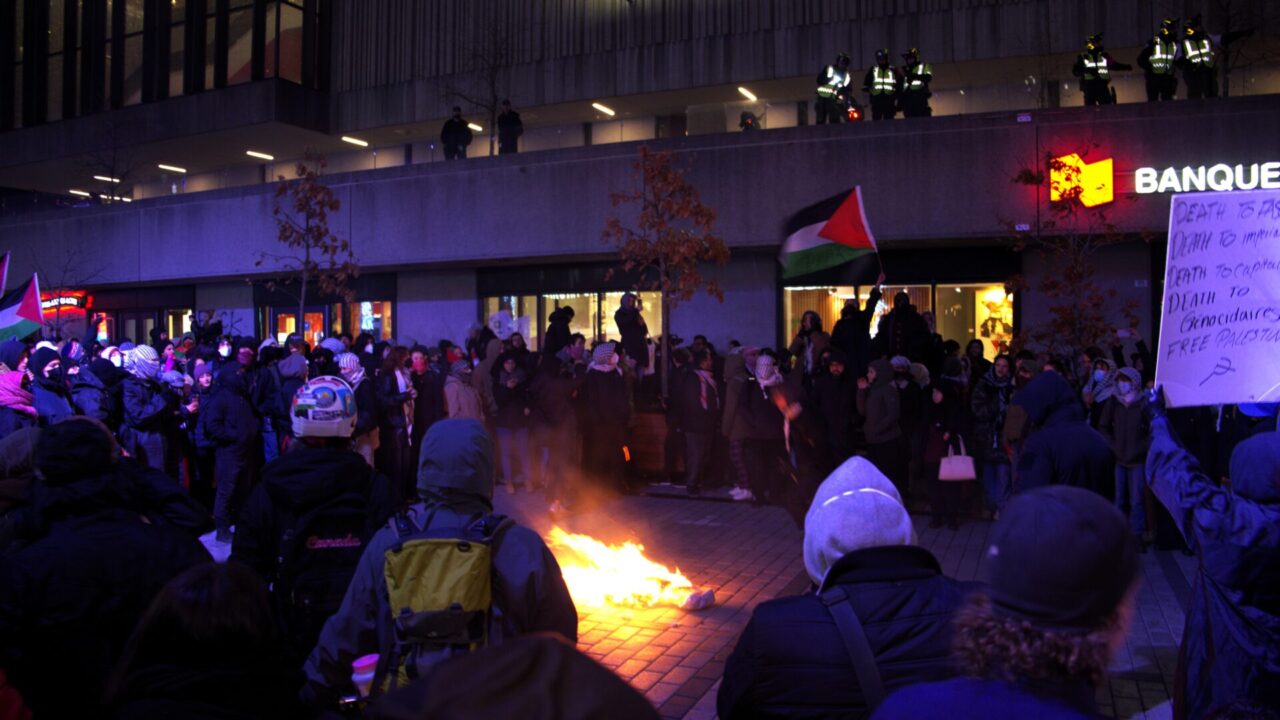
<point>314,253</point>
<point>66,271</point>
<point>490,55</point>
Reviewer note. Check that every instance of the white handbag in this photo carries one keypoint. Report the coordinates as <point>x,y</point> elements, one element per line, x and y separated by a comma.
<point>957,468</point>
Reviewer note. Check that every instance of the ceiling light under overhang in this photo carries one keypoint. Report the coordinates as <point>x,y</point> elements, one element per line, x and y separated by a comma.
<point>81,193</point>
<point>475,128</point>
<point>355,141</point>
<point>172,168</point>
<point>604,109</point>
<point>106,179</point>
<point>259,155</point>
<point>747,94</point>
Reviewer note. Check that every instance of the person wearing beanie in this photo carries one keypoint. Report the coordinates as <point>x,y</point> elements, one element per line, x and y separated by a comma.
<point>793,658</point>
<point>1123,423</point>
<point>1061,449</point>
<point>455,486</point>
<point>1229,649</point>
<point>150,412</point>
<point>1037,642</point>
<point>72,597</point>
<point>52,396</point>
<point>606,419</point>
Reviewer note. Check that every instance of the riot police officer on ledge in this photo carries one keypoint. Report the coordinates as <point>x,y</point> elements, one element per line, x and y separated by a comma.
<point>833,91</point>
<point>1094,67</point>
<point>1157,62</point>
<point>1199,66</point>
<point>883,83</point>
<point>915,92</point>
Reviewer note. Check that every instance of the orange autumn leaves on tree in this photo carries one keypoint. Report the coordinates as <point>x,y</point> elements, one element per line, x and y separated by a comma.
<point>670,238</point>
<point>315,253</point>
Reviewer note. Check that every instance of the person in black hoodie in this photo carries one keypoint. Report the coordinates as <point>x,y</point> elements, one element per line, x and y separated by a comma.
<point>558,332</point>
<point>1062,449</point>
<point>48,388</point>
<point>428,406</point>
<point>396,395</point>
<point>832,398</point>
<point>852,332</point>
<point>231,423</point>
<point>319,470</point>
<point>95,392</point>
<point>150,410</point>
<point>293,375</point>
<point>555,428</point>
<point>207,649</point>
<point>606,418</point>
<point>632,331</point>
<point>69,600</point>
<point>699,397</point>
<point>942,432</point>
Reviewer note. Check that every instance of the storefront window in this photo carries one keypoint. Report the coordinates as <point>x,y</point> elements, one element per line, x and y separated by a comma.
<point>313,330</point>
<point>509,314</point>
<point>371,316</point>
<point>983,312</point>
<point>921,297</point>
<point>650,304</point>
<point>827,301</point>
<point>178,322</point>
<point>586,312</point>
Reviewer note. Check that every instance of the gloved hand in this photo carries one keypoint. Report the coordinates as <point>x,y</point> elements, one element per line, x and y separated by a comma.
<point>1154,407</point>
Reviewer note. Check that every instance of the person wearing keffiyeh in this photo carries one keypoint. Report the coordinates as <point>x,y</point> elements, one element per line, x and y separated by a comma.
<point>699,399</point>
<point>606,419</point>
<point>150,411</point>
<point>365,437</point>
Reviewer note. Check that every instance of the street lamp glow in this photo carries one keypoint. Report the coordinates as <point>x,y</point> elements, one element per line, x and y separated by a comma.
<point>81,193</point>
<point>354,141</point>
<point>747,94</point>
<point>259,155</point>
<point>104,178</point>
<point>172,168</point>
<point>475,128</point>
<point>604,109</point>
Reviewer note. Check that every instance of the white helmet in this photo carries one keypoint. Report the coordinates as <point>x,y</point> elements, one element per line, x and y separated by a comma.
<point>324,407</point>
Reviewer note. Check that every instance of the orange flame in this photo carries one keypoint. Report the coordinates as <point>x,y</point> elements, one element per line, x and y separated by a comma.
<point>598,574</point>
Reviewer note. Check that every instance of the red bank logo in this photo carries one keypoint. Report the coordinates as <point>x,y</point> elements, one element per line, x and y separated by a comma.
<point>1090,183</point>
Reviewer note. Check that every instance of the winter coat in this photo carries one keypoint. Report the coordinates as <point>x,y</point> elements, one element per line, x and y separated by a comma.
<point>558,332</point>
<point>989,405</point>
<point>482,378</point>
<point>902,332</point>
<point>693,417</point>
<point>880,405</point>
<point>760,417</point>
<point>1063,449</point>
<point>941,426</point>
<point>552,396</point>
<point>92,398</point>
<point>230,420</point>
<point>296,482</point>
<point>514,405</point>
<point>70,600</point>
<point>366,408</point>
<point>633,332</point>
<point>529,594</point>
<point>12,421</point>
<point>604,402</point>
<point>1229,647</point>
<point>1127,429</point>
<point>791,661</point>
<point>428,407</point>
<point>150,411</point>
<point>455,133</point>
<point>852,333</point>
<point>52,400</point>
<point>736,379</point>
<point>834,401</point>
<point>974,699</point>
<point>391,402</point>
<point>461,400</point>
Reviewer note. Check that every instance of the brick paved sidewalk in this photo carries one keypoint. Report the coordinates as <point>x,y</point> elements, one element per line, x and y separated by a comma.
<point>749,555</point>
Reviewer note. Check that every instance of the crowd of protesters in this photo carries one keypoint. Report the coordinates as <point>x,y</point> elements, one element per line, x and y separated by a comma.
<point>116,458</point>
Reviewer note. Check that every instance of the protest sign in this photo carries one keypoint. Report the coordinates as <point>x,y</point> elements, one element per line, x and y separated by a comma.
<point>1220,329</point>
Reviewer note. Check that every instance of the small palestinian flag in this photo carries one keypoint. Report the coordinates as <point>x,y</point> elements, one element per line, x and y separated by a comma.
<point>20,313</point>
<point>827,234</point>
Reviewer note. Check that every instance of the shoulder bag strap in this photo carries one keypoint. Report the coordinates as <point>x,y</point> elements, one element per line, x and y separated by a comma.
<point>855,642</point>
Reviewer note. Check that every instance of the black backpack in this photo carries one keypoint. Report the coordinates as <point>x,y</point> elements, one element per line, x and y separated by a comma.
<point>318,555</point>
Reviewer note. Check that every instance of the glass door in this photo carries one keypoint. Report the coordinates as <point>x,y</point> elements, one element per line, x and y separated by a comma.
<point>314,326</point>
<point>134,326</point>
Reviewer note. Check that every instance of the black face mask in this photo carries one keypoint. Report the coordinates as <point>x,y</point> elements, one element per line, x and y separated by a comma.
<point>55,375</point>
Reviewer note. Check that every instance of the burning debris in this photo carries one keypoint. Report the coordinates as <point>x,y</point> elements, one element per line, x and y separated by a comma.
<point>599,574</point>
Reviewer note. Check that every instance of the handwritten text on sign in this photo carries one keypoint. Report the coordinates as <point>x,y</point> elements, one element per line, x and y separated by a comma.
<point>1220,332</point>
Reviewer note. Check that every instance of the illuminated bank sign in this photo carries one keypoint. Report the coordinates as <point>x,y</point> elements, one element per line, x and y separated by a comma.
<point>1219,178</point>
<point>62,301</point>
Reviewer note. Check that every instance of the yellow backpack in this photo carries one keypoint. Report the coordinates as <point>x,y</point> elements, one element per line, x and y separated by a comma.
<point>440,589</point>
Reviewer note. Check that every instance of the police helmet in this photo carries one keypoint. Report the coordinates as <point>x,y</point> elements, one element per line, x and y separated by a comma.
<point>882,55</point>
<point>1193,25</point>
<point>1168,26</point>
<point>324,407</point>
<point>911,55</point>
<point>842,60</point>
<point>1094,42</point>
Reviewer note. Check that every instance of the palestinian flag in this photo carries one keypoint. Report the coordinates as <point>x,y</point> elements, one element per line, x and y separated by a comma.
<point>827,234</point>
<point>20,313</point>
